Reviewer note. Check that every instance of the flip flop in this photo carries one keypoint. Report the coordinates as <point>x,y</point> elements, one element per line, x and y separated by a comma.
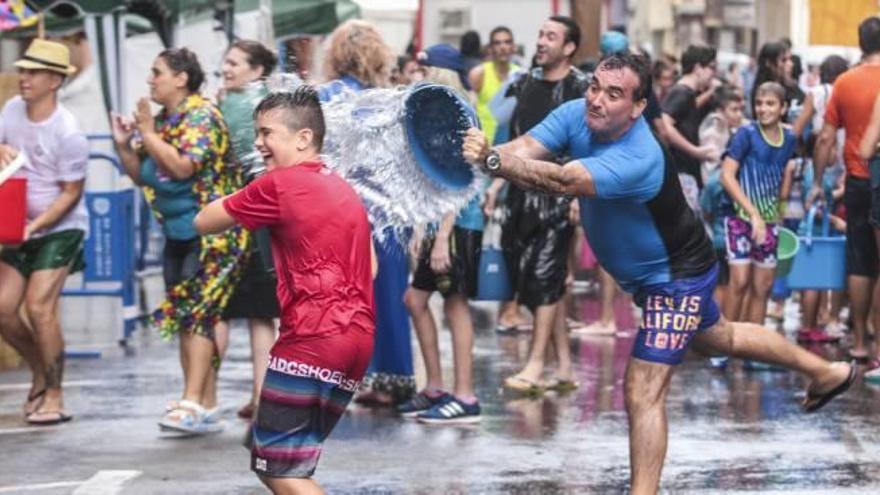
<point>505,329</point>
<point>574,325</point>
<point>47,418</point>
<point>861,357</point>
<point>813,402</point>
<point>561,385</point>
<point>34,401</point>
<point>523,386</point>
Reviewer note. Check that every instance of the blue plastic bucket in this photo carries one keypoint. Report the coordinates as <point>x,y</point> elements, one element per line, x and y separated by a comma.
<point>436,120</point>
<point>493,282</point>
<point>820,263</point>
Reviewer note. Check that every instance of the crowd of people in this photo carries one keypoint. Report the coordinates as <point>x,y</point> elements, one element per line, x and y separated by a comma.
<point>676,186</point>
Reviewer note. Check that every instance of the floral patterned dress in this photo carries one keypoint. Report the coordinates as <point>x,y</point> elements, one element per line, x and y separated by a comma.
<point>197,130</point>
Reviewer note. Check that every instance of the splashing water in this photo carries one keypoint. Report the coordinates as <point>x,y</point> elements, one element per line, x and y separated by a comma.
<point>366,143</point>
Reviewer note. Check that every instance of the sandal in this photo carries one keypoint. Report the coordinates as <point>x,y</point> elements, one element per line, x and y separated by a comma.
<point>33,402</point>
<point>561,385</point>
<point>595,329</point>
<point>574,325</point>
<point>523,385</point>
<point>861,357</point>
<point>813,401</point>
<point>188,417</point>
<point>505,329</point>
<point>47,418</point>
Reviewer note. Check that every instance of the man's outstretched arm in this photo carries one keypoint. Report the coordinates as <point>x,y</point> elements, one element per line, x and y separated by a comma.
<point>520,164</point>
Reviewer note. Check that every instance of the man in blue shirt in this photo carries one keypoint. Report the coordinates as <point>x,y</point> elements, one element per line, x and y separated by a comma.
<point>644,234</point>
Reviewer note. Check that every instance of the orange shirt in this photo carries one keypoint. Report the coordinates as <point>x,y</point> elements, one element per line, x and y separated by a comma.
<point>850,107</point>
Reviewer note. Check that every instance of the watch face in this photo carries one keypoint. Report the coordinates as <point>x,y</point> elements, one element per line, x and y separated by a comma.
<point>493,161</point>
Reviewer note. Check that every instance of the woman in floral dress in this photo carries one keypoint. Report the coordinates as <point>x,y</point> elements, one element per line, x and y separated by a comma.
<point>181,158</point>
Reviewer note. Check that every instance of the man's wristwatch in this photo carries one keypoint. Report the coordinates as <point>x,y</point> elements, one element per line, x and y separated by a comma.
<point>493,161</point>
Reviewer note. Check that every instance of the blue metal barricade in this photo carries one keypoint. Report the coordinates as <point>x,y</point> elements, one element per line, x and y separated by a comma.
<point>109,252</point>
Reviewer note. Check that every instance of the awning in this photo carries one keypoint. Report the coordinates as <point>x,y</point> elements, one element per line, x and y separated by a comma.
<point>289,17</point>
<point>107,23</point>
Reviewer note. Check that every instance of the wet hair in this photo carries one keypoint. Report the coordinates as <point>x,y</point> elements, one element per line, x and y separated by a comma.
<point>302,110</point>
<point>659,67</point>
<point>696,54</point>
<point>500,29</point>
<point>469,45</point>
<point>257,55</point>
<point>869,35</point>
<point>402,60</point>
<point>832,66</point>
<point>771,88</point>
<point>356,49</point>
<point>572,30</point>
<point>725,95</point>
<point>797,67</point>
<point>768,59</point>
<point>184,60</point>
<point>634,62</point>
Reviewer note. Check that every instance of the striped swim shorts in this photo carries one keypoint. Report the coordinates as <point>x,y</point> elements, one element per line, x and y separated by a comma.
<point>300,404</point>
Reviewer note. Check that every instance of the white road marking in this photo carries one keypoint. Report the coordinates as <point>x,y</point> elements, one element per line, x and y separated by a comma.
<point>39,486</point>
<point>106,482</point>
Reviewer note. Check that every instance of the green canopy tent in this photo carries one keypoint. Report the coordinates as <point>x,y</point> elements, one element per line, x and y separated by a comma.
<point>107,23</point>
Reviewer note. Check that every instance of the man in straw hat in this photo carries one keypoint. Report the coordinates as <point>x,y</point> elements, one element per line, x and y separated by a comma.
<point>32,273</point>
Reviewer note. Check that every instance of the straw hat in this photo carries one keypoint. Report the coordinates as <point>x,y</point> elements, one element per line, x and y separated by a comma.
<point>47,55</point>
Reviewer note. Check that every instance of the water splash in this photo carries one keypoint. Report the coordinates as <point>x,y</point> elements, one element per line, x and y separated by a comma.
<point>367,143</point>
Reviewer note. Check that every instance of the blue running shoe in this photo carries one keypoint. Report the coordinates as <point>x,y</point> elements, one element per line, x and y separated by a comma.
<point>419,404</point>
<point>451,411</point>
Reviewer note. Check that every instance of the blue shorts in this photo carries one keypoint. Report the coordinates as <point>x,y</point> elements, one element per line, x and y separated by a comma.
<point>672,314</point>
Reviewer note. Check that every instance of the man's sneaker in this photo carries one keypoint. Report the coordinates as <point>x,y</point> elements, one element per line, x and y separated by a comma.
<point>419,404</point>
<point>451,411</point>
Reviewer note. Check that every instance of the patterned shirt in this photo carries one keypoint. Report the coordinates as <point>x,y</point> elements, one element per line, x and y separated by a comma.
<point>197,131</point>
<point>761,168</point>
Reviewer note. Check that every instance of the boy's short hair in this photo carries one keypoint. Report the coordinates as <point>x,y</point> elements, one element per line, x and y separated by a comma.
<point>499,29</point>
<point>773,88</point>
<point>697,55</point>
<point>725,95</point>
<point>302,110</point>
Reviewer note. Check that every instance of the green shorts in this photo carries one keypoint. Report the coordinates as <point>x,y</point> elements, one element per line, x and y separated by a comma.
<point>55,250</point>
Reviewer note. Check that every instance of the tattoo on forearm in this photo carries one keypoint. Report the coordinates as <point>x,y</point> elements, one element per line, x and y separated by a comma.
<point>538,175</point>
<point>54,372</point>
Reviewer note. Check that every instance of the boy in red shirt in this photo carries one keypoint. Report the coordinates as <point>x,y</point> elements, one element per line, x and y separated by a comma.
<point>322,251</point>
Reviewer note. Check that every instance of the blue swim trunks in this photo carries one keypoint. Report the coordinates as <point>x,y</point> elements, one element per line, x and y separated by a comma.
<point>672,314</point>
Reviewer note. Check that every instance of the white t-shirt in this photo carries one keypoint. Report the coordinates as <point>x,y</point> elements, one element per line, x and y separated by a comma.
<point>821,94</point>
<point>56,151</point>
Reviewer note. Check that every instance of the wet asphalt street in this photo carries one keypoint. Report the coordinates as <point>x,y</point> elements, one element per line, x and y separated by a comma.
<point>731,431</point>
